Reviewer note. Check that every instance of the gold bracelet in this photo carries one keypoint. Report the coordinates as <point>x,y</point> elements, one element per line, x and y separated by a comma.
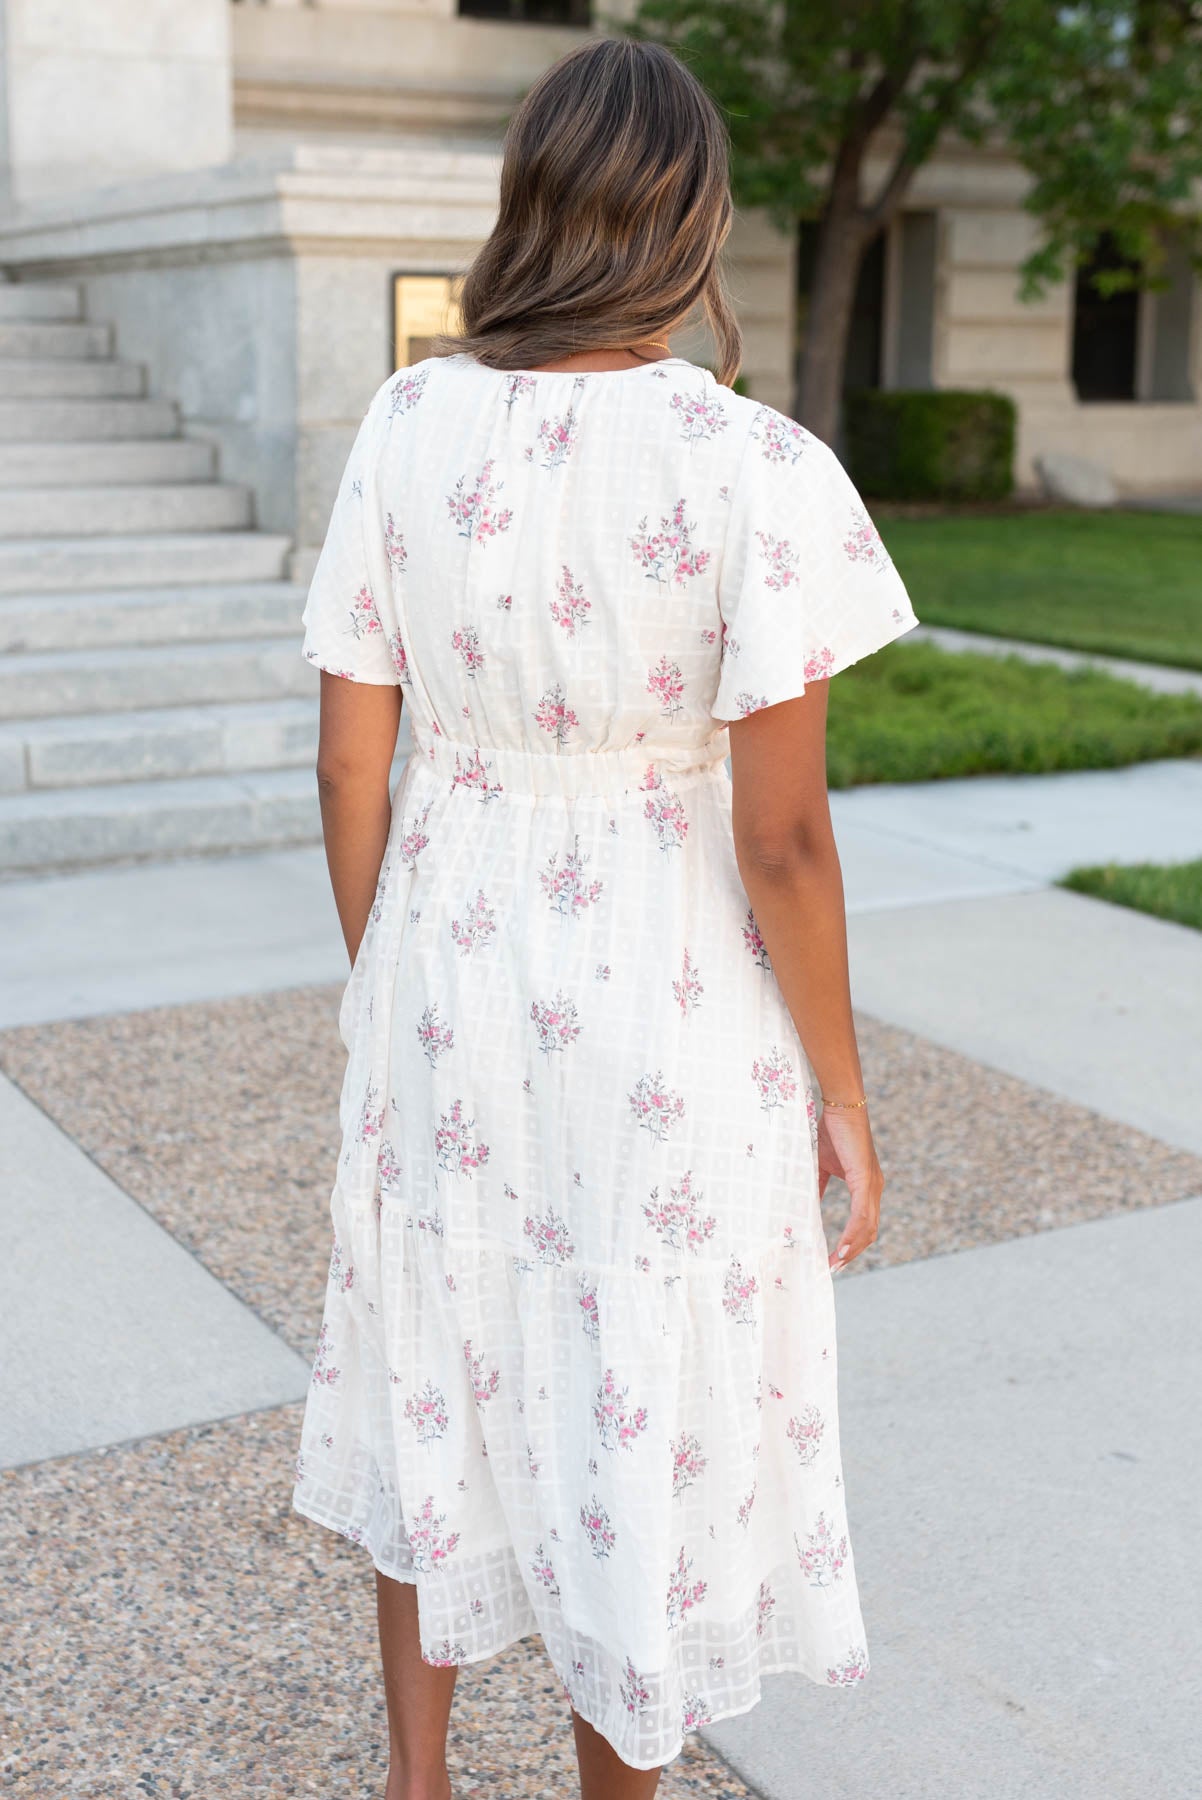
<point>845,1105</point>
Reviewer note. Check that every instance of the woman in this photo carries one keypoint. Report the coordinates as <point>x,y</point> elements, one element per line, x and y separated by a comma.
<point>576,1374</point>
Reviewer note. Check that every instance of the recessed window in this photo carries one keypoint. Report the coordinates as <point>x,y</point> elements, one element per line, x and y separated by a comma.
<point>1105,329</point>
<point>529,12</point>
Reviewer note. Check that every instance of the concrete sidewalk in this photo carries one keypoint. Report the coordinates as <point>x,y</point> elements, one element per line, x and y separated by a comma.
<point>1022,1443</point>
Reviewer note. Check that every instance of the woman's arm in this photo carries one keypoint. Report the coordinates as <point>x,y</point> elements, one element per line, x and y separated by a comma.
<point>785,847</point>
<point>359,724</point>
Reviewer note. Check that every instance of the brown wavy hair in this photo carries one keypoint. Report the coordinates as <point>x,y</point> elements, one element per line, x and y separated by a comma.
<point>615,203</point>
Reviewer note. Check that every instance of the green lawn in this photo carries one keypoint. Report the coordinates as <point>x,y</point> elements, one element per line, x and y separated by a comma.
<point>1169,890</point>
<point>914,712</point>
<point>1126,583</point>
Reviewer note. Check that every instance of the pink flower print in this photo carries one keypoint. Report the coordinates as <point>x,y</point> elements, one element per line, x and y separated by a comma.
<point>805,1434</point>
<point>555,716</point>
<point>688,1461</point>
<point>555,1023</point>
<point>781,559</point>
<point>473,775</point>
<point>394,545</point>
<point>342,674</point>
<point>745,1506</point>
<point>400,659</point>
<point>478,925</point>
<point>467,642</point>
<point>550,1238</point>
<point>698,418</point>
<point>430,1544</point>
<point>694,1712</point>
<point>774,1077</point>
<point>590,1317</point>
<point>655,1106</point>
<point>688,989</point>
<point>709,637</point>
<point>597,1528</point>
<point>668,555</point>
<point>853,1668</point>
<point>819,666</point>
<point>557,439</point>
<point>365,620</point>
<point>342,1274</point>
<point>541,1569</point>
<point>764,1607</point>
<point>414,840</point>
<point>407,391</point>
<point>427,1413</point>
<point>473,512</point>
<point>634,1690</point>
<point>435,1039</point>
<point>812,1116</point>
<point>823,1559</point>
<point>517,385</point>
<point>683,1594</point>
<point>754,942</point>
<point>780,439</point>
<point>432,1222</point>
<point>565,885</point>
<point>863,542</point>
<point>738,1293</point>
<point>388,1165</point>
<point>666,682</point>
<point>484,1384</point>
<point>570,609</point>
<point>377,905</point>
<point>505,603</point>
<point>749,703</point>
<point>602,972</point>
<point>445,1655</point>
<point>324,1372</point>
<point>371,1116</point>
<point>617,1423</point>
<point>664,810</point>
<point>456,1150</point>
<point>677,1220</point>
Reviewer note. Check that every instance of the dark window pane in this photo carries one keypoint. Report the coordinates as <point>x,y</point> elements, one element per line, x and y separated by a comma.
<point>529,12</point>
<point>1105,331</point>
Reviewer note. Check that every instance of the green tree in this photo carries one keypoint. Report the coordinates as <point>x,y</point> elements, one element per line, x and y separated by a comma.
<point>1099,100</point>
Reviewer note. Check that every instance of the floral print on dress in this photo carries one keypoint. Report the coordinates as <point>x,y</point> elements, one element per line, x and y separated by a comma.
<point>664,810</point>
<point>666,683</point>
<point>557,439</point>
<point>564,883</point>
<point>431,1545</point>
<point>516,386</point>
<point>473,508</point>
<point>754,941</point>
<point>571,607</point>
<point>555,716</point>
<point>550,1238</point>
<point>365,620</point>
<point>678,1221</point>
<point>822,1557</point>
<point>555,1023</point>
<point>473,774</point>
<point>484,1382</point>
<point>427,1413</point>
<point>455,1148</point>
<point>668,556</point>
<point>618,1424</point>
<point>780,439</point>
<point>863,542</point>
<point>781,559</point>
<point>590,1317</point>
<point>688,989</point>
<point>597,1529</point>
<point>688,1462</point>
<point>739,1289</point>
<point>805,1434</point>
<point>434,1037</point>
<point>818,666</point>
<point>683,1594</point>
<point>394,545</point>
<point>698,418</point>
<point>476,926</point>
<point>466,640</point>
<point>775,1078</point>
<point>542,1571</point>
<point>853,1668</point>
<point>656,1107</point>
<point>633,1690</point>
<point>407,390</point>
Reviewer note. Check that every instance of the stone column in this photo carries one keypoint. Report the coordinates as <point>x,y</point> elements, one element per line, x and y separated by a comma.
<point>96,91</point>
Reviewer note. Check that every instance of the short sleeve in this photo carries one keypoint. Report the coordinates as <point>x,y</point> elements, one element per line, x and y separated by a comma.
<point>806,586</point>
<point>349,621</point>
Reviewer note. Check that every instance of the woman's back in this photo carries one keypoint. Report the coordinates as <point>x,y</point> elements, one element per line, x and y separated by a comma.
<point>550,561</point>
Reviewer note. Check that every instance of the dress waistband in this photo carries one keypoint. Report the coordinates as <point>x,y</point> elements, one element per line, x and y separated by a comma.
<point>489,770</point>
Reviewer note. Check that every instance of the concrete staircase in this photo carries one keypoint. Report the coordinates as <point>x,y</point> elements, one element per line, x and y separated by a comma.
<point>153,699</point>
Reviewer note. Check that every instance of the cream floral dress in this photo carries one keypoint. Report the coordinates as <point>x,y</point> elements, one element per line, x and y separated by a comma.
<point>576,1374</point>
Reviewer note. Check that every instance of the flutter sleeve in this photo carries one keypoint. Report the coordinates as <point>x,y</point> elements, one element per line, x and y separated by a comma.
<point>349,620</point>
<point>806,586</point>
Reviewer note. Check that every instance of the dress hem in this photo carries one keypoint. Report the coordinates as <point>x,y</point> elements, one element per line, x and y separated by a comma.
<point>734,1712</point>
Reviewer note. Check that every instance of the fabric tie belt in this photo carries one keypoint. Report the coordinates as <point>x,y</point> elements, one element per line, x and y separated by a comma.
<point>490,770</point>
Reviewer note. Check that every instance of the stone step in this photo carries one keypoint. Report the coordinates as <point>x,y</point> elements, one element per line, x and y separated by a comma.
<point>63,564</point>
<point>128,462</point>
<point>99,749</point>
<point>122,511</point>
<point>40,300</point>
<point>43,684</point>
<point>151,615</point>
<point>26,377</point>
<point>87,419</point>
<point>135,820</point>
<point>54,337</point>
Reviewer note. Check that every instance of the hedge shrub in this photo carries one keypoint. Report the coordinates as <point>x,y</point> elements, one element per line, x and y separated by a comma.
<point>931,445</point>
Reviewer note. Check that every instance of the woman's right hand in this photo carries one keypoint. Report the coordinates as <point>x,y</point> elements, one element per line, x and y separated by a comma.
<point>846,1149</point>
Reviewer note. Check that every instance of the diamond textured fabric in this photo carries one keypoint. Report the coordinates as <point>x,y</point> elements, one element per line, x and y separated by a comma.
<point>577,1368</point>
